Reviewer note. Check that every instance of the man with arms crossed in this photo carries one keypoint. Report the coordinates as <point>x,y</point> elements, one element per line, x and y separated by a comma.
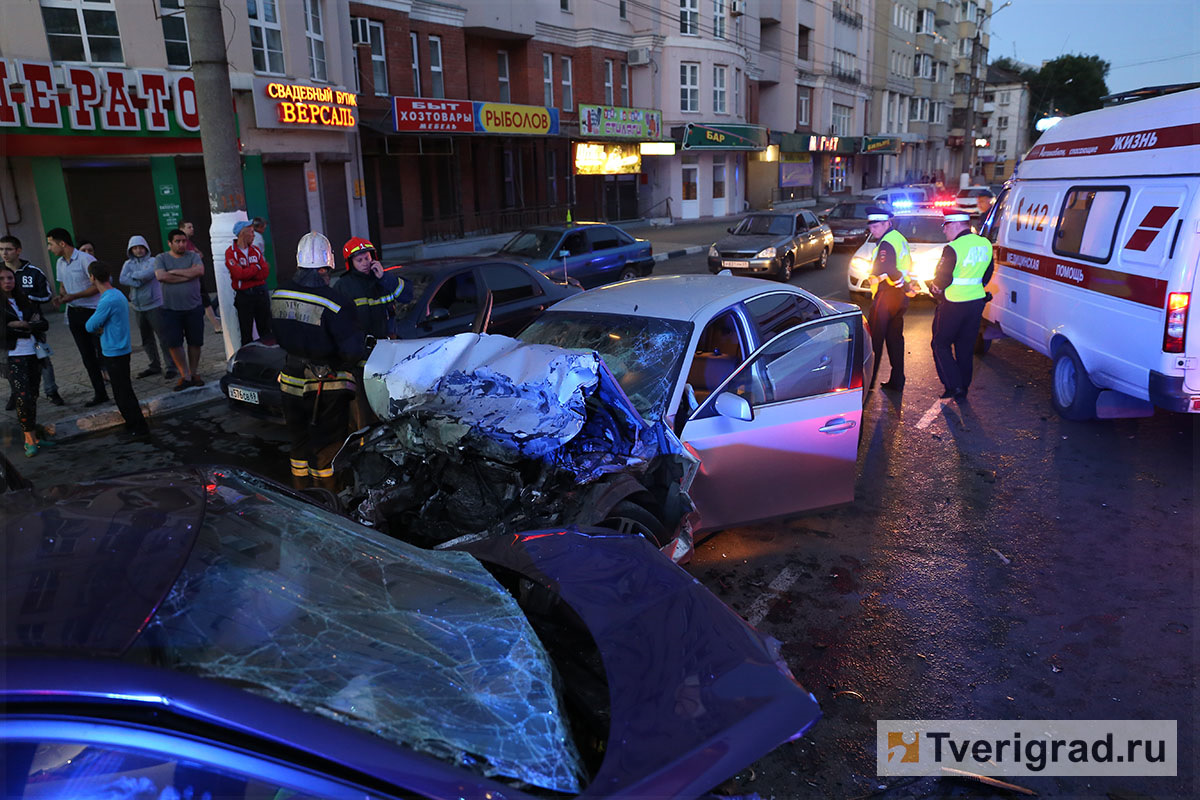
<point>179,271</point>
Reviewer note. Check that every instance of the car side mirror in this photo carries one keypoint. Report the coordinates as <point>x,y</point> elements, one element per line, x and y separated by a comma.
<point>438,314</point>
<point>734,406</point>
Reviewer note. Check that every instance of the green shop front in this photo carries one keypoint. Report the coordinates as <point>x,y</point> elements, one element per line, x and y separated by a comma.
<point>709,174</point>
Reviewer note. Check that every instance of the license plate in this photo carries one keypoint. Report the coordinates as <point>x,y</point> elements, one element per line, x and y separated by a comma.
<point>245,395</point>
<point>839,238</point>
<point>736,264</point>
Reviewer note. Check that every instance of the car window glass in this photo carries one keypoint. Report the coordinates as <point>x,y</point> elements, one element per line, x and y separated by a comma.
<point>575,243</point>
<point>603,237</point>
<point>457,295</point>
<point>777,312</point>
<point>81,769</point>
<point>996,217</point>
<point>805,362</point>
<point>417,282</point>
<point>801,224</point>
<point>809,218</point>
<point>508,283</point>
<point>535,244</point>
<point>764,224</point>
<point>718,354</point>
<point>1087,225</point>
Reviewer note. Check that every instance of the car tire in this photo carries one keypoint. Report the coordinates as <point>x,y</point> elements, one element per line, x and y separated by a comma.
<point>785,269</point>
<point>1072,392</point>
<point>823,260</point>
<point>629,517</point>
<point>629,272</point>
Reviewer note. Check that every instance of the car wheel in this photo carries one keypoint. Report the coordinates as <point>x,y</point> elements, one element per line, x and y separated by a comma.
<point>629,517</point>
<point>1071,390</point>
<point>785,268</point>
<point>823,261</point>
<point>628,273</point>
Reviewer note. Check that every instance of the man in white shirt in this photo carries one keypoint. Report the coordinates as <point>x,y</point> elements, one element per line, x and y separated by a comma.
<point>81,298</point>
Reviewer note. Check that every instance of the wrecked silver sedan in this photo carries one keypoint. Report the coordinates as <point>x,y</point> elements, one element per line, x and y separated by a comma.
<point>486,435</point>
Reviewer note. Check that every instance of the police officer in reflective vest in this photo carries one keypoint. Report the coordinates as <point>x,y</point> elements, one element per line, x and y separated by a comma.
<point>892,264</point>
<point>316,326</point>
<point>963,271</point>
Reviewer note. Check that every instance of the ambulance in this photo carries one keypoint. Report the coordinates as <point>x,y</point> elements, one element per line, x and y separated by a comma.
<point>1097,238</point>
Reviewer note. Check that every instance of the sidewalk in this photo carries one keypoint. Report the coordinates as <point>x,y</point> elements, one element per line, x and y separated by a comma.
<point>155,392</point>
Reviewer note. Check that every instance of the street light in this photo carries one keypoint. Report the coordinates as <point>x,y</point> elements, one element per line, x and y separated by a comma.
<point>969,134</point>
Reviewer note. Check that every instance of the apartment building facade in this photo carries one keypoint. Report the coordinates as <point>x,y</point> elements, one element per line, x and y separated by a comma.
<point>101,133</point>
<point>1006,102</point>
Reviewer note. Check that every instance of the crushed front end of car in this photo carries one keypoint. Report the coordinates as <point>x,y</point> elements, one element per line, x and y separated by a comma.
<point>484,435</point>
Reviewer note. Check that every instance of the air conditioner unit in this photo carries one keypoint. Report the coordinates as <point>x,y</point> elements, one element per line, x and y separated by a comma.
<point>737,8</point>
<point>360,30</point>
<point>638,57</point>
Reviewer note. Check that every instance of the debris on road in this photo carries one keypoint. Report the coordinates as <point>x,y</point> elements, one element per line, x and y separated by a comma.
<point>1002,557</point>
<point>1012,787</point>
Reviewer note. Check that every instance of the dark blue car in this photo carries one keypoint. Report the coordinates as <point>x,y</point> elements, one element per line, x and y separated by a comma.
<point>204,632</point>
<point>590,252</point>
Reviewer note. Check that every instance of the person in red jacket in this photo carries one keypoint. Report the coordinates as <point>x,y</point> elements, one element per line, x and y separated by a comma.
<point>248,269</point>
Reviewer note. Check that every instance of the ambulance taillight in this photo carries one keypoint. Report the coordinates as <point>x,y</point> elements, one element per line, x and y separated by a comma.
<point>1177,318</point>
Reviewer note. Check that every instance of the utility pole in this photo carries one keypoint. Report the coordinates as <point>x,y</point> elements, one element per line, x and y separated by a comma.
<point>219,141</point>
<point>972,85</point>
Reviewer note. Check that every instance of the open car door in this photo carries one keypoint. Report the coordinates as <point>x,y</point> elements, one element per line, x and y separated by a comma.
<point>780,435</point>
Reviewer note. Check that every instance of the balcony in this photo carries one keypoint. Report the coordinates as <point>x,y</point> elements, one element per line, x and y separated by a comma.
<point>500,19</point>
<point>847,74</point>
<point>770,12</point>
<point>843,14</point>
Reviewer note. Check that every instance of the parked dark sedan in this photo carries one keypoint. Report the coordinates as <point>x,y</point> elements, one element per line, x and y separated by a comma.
<point>448,295</point>
<point>772,243</point>
<point>205,632</point>
<point>589,252</point>
<point>848,221</point>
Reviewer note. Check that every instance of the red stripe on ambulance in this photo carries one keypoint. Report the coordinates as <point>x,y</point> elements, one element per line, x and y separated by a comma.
<point>1136,141</point>
<point>1121,285</point>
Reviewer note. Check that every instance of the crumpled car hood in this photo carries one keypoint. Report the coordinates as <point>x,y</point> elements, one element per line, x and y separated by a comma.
<point>484,433</point>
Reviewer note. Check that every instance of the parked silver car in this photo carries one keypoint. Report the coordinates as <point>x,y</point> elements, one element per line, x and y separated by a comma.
<point>773,243</point>
<point>763,383</point>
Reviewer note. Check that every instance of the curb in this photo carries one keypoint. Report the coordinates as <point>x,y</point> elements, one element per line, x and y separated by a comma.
<point>155,406</point>
<point>688,251</point>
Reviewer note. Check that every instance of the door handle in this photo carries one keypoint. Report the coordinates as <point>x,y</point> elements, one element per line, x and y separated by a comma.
<point>837,425</point>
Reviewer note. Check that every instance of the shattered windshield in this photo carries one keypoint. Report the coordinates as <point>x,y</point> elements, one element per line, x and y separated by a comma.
<point>643,353</point>
<point>760,224</point>
<point>424,648</point>
<point>536,244</point>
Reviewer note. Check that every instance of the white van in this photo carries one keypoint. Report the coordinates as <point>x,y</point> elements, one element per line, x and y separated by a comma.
<point>1097,240</point>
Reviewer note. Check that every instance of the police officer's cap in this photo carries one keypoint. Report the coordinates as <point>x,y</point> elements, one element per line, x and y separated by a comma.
<point>954,215</point>
<point>877,214</point>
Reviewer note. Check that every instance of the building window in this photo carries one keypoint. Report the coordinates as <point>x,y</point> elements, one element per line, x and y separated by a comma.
<point>82,30</point>
<point>803,106</point>
<point>174,27</point>
<point>608,82</point>
<point>891,112</point>
<point>622,10</point>
<point>437,81</point>
<point>625,84</point>
<point>918,109</point>
<point>502,73</point>
<point>964,47</point>
<point>939,113</point>
<point>564,5</point>
<point>568,96</point>
<point>842,120</point>
<point>552,177</point>
<point>719,90</point>
<point>316,40</point>
<point>1002,145</point>
<point>925,21</point>
<point>689,17</point>
<point>416,63</point>
<point>923,66</point>
<point>266,36</point>
<point>378,58</point>
<point>547,79</point>
<point>1004,98</point>
<point>737,91</point>
<point>718,19</point>
<point>802,38</point>
<point>1002,122</point>
<point>689,87</point>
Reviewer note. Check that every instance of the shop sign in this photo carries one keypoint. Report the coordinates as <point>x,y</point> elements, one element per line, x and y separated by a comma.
<point>881,145</point>
<point>421,115</point>
<point>302,106</point>
<point>40,98</point>
<point>831,144</point>
<point>618,122</point>
<point>597,158</point>
<point>724,137</point>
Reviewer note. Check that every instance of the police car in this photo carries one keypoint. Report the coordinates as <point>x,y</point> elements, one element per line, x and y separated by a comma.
<point>923,230</point>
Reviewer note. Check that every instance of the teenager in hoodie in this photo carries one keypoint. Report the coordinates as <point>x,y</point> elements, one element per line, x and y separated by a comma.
<point>145,295</point>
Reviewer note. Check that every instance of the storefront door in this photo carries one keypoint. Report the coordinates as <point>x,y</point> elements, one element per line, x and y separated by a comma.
<point>690,206</point>
<point>718,187</point>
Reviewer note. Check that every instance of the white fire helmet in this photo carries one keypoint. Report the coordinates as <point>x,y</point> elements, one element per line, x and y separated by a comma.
<point>314,251</point>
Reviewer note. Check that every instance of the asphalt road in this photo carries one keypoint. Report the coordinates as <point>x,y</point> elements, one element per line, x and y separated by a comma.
<point>998,563</point>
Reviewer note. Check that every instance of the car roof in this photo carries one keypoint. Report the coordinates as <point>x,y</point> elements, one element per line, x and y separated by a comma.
<point>679,297</point>
<point>566,226</point>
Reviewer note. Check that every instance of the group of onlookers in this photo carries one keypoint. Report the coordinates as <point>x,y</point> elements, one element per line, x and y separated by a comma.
<point>169,307</point>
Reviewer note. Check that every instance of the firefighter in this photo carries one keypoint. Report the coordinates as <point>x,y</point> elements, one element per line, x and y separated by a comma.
<point>892,264</point>
<point>963,271</point>
<point>316,326</point>
<point>373,291</point>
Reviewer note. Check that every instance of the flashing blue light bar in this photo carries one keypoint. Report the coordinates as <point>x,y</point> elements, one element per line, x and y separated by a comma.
<point>902,204</point>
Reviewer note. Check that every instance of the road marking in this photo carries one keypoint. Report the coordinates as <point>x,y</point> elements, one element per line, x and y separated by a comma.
<point>758,609</point>
<point>934,411</point>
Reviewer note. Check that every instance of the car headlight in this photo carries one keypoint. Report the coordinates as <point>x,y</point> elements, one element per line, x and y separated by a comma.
<point>859,265</point>
<point>766,252</point>
<point>925,267</point>
<point>712,252</point>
